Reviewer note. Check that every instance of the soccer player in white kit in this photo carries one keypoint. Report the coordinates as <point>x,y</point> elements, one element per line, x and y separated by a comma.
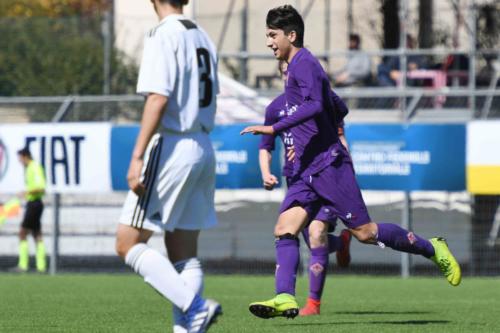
<point>172,173</point>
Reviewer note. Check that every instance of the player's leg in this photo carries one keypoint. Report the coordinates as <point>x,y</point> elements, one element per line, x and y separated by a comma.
<point>28,224</point>
<point>289,224</point>
<point>23,259</point>
<point>184,225</point>
<point>40,256</point>
<point>348,202</point>
<point>155,268</point>
<point>400,239</point>
<point>318,265</point>
<point>182,248</point>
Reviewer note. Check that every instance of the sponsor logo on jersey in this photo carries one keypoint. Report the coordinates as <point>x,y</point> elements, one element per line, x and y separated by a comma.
<point>411,237</point>
<point>291,110</point>
<point>287,139</point>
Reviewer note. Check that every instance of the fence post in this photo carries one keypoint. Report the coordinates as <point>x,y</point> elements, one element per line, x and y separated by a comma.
<point>56,197</point>
<point>54,253</point>
<point>406,224</point>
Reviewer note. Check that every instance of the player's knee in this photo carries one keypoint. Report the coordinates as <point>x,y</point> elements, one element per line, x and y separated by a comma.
<point>317,237</point>
<point>366,233</point>
<point>280,230</point>
<point>287,236</point>
<point>120,249</point>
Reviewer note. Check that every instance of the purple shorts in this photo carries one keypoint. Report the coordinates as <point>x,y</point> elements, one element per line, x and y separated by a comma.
<point>332,192</point>
<point>299,194</point>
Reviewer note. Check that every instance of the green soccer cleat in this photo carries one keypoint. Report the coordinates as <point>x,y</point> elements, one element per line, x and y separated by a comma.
<point>283,305</point>
<point>446,261</point>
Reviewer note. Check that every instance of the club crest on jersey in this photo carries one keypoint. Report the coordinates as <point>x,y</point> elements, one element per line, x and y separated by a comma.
<point>316,269</point>
<point>411,237</point>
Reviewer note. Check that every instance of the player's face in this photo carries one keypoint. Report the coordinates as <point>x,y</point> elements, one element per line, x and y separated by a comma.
<point>280,43</point>
<point>23,160</point>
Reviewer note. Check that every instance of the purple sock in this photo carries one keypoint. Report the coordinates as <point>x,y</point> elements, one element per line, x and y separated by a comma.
<point>403,240</point>
<point>318,264</point>
<point>334,243</point>
<point>287,263</point>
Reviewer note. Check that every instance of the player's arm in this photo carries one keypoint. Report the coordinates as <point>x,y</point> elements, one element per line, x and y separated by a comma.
<point>342,138</point>
<point>308,78</point>
<point>153,112</point>
<point>266,146</point>
<point>268,179</point>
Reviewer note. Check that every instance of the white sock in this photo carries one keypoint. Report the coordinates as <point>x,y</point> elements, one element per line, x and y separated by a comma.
<point>192,274</point>
<point>159,272</point>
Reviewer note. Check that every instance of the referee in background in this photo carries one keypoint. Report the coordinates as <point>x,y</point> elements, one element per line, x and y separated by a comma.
<point>34,177</point>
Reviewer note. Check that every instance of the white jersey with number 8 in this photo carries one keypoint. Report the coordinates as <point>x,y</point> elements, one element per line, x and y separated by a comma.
<point>180,62</point>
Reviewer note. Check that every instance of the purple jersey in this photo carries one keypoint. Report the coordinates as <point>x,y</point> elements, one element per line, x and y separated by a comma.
<point>311,116</point>
<point>275,111</point>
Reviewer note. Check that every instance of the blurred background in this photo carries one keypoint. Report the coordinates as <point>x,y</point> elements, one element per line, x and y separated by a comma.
<point>421,79</point>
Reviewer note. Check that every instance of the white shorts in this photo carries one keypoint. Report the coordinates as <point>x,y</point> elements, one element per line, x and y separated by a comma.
<point>179,176</point>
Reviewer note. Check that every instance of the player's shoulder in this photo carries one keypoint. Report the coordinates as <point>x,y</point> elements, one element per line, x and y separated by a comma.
<point>305,61</point>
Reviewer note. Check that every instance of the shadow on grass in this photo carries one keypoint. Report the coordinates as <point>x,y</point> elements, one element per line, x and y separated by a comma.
<point>389,322</point>
<point>381,312</point>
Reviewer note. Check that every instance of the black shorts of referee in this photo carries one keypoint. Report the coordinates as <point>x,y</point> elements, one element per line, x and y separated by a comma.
<point>33,216</point>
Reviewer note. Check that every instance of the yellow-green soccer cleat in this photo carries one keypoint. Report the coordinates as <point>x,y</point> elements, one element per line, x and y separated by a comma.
<point>446,261</point>
<point>283,305</point>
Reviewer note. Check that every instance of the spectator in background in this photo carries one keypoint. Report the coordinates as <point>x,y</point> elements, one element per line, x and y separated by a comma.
<point>35,189</point>
<point>388,72</point>
<point>357,68</point>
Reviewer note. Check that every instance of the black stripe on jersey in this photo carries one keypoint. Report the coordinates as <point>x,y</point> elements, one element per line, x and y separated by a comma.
<point>138,210</point>
<point>188,24</point>
<point>149,187</point>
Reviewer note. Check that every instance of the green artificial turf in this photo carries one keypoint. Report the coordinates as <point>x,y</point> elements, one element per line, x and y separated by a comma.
<point>124,303</point>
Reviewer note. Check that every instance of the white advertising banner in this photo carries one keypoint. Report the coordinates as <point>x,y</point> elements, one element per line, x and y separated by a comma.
<point>75,156</point>
<point>483,157</point>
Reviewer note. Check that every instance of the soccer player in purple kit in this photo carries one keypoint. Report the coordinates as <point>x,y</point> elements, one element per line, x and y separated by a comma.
<point>316,234</point>
<point>322,170</point>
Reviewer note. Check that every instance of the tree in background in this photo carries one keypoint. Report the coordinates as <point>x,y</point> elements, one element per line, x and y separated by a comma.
<point>56,47</point>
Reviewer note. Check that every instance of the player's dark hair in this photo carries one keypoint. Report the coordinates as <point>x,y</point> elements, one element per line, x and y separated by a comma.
<point>287,18</point>
<point>175,3</point>
<point>24,152</point>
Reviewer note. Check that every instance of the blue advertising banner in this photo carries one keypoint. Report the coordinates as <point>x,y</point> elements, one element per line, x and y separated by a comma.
<point>407,158</point>
<point>237,157</point>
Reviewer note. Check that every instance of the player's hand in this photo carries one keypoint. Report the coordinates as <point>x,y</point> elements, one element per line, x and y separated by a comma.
<point>134,176</point>
<point>290,153</point>
<point>258,129</point>
<point>269,181</point>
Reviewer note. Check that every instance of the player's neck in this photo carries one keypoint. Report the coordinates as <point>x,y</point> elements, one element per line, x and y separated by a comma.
<point>292,53</point>
<point>166,10</point>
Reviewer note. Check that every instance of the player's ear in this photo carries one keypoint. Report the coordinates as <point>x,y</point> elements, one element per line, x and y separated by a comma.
<point>292,36</point>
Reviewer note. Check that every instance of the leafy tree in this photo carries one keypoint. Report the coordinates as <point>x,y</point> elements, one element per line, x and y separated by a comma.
<point>55,47</point>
